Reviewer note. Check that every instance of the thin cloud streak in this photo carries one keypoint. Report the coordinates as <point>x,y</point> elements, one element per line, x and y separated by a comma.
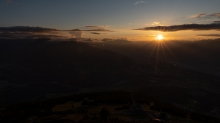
<point>198,15</point>
<point>139,2</point>
<point>26,29</point>
<point>211,35</point>
<point>206,15</point>
<point>29,32</point>
<point>155,23</point>
<point>96,33</point>
<point>173,28</point>
<point>97,28</point>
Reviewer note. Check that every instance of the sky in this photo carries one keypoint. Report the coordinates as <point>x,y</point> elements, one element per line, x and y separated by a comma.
<point>127,19</point>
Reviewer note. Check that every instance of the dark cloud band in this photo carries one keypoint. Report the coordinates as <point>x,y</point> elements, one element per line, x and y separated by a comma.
<point>96,33</point>
<point>97,28</point>
<point>28,32</point>
<point>25,29</point>
<point>213,26</point>
<point>211,35</point>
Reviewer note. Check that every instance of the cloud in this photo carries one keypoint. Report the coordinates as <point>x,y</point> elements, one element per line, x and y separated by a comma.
<point>155,23</point>
<point>218,22</point>
<point>211,35</point>
<point>97,28</point>
<point>213,26</point>
<point>97,33</point>
<point>139,2</point>
<point>106,39</point>
<point>26,31</point>
<point>198,15</point>
<point>28,35</point>
<point>77,33</point>
<point>115,40</point>
<point>206,15</point>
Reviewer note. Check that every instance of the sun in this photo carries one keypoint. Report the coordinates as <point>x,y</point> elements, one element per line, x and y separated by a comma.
<point>159,37</point>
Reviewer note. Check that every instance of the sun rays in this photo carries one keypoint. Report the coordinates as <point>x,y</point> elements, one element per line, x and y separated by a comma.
<point>160,51</point>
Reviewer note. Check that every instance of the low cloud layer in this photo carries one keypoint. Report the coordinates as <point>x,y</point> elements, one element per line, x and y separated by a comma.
<point>77,33</point>
<point>213,26</point>
<point>217,22</point>
<point>115,40</point>
<point>38,32</point>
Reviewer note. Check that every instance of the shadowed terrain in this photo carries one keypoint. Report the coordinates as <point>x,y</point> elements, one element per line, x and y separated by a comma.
<point>39,69</point>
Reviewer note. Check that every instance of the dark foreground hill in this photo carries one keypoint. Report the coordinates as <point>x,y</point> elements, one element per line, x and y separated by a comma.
<point>200,55</point>
<point>101,107</point>
<point>34,70</point>
<point>28,61</point>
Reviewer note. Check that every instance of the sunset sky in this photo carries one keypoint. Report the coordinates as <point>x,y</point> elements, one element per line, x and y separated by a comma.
<point>98,19</point>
